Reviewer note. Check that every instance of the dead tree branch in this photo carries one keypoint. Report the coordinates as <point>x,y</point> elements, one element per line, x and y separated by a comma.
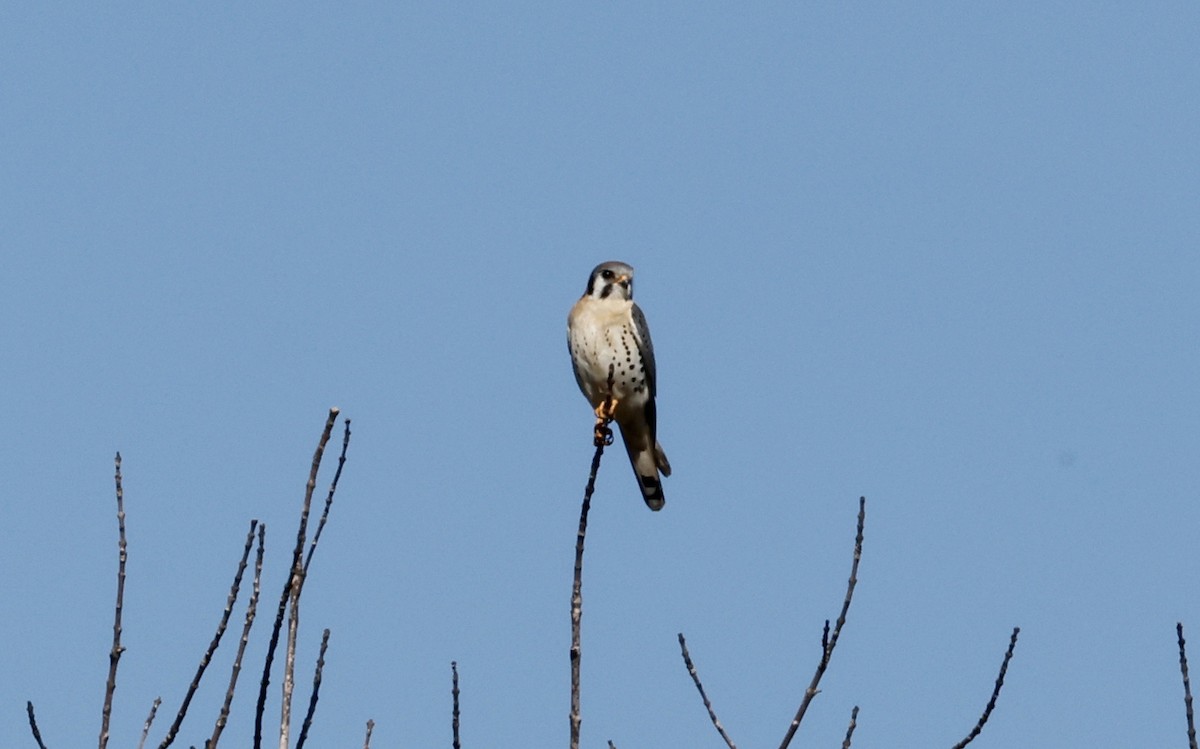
<point>149,721</point>
<point>337,474</point>
<point>603,436</point>
<point>1187,686</point>
<point>216,640</point>
<point>851,727</point>
<point>292,584</point>
<point>316,691</point>
<point>297,586</point>
<point>687,661</point>
<point>454,704</point>
<point>829,639</point>
<point>33,726</point>
<point>370,728</point>
<point>987,711</point>
<point>114,655</point>
<point>251,610</point>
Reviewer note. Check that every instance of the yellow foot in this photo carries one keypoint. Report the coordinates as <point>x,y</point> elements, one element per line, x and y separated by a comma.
<point>607,410</point>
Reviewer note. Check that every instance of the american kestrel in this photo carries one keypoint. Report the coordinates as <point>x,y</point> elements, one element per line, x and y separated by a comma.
<point>606,329</point>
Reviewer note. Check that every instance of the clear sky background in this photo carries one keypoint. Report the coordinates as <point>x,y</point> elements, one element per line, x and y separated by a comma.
<point>943,255</point>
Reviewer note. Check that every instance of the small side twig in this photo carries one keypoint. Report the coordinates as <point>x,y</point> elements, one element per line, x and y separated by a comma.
<point>851,727</point>
<point>370,728</point>
<point>114,655</point>
<point>215,642</point>
<point>149,721</point>
<point>33,726</point>
<point>987,711</point>
<point>251,611</point>
<point>1187,687</point>
<point>603,437</point>
<point>312,700</point>
<point>687,661</point>
<point>454,704</point>
<point>829,639</point>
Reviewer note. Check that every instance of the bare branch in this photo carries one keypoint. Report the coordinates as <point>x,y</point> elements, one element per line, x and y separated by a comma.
<point>33,726</point>
<point>603,437</point>
<point>611,745</point>
<point>370,728</point>
<point>216,640</point>
<point>292,583</point>
<point>687,661</point>
<point>987,711</point>
<point>312,700</point>
<point>114,655</point>
<point>851,727</point>
<point>337,474</point>
<point>251,611</point>
<point>1187,687</point>
<point>454,703</point>
<point>297,586</point>
<point>149,721</point>
<point>829,639</point>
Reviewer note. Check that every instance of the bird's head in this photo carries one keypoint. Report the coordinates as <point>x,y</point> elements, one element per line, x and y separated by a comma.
<point>611,280</point>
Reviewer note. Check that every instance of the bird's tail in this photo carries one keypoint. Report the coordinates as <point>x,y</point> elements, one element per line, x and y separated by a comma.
<point>646,464</point>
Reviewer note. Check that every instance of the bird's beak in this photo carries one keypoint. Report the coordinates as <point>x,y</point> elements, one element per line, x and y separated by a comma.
<point>623,280</point>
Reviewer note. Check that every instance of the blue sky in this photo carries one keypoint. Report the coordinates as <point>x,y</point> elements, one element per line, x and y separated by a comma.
<point>943,255</point>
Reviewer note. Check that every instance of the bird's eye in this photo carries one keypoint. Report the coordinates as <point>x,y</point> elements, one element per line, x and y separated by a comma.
<point>607,275</point>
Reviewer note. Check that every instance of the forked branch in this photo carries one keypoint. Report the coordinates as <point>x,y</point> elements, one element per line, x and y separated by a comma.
<point>216,640</point>
<point>291,592</point>
<point>829,639</point>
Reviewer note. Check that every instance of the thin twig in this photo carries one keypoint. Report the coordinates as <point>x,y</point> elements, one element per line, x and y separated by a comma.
<point>687,661</point>
<point>251,610</point>
<point>987,711</point>
<point>1187,686</point>
<point>370,728</point>
<point>829,639</point>
<point>114,655</point>
<point>337,474</point>
<point>312,700</point>
<point>851,727</point>
<point>149,721</point>
<point>285,596</point>
<point>215,642</point>
<point>454,703</point>
<point>33,726</point>
<point>603,436</point>
<point>265,681</point>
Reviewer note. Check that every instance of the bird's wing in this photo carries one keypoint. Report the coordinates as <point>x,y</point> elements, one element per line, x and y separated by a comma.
<point>643,333</point>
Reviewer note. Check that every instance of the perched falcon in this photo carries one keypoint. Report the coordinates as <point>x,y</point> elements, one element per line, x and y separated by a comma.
<point>606,329</point>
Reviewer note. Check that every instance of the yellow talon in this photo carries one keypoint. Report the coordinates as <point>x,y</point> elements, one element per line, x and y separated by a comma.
<point>607,410</point>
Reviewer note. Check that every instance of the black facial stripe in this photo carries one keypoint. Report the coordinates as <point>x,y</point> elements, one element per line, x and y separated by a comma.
<point>607,291</point>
